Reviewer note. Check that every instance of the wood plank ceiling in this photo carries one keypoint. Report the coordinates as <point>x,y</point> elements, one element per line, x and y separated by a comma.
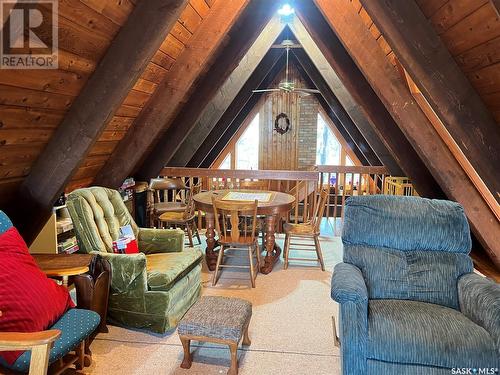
<point>34,102</point>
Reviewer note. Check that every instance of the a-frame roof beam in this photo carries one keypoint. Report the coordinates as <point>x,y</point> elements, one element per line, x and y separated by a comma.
<point>233,118</point>
<point>213,94</point>
<point>244,102</point>
<point>398,100</point>
<point>354,110</point>
<point>228,92</point>
<point>307,68</point>
<point>357,85</point>
<point>444,85</point>
<point>171,92</point>
<point>117,72</point>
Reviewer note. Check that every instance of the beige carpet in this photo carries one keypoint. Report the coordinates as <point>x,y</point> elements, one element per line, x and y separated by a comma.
<point>291,328</point>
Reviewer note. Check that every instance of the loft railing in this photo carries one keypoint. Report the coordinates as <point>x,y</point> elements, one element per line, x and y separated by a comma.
<point>345,181</point>
<point>285,181</point>
<point>341,182</point>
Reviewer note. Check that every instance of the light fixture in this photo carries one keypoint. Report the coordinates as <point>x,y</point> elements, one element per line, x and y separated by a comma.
<point>286,10</point>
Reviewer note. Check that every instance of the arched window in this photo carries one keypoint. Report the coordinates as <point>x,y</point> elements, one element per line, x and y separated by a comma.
<point>247,147</point>
<point>328,148</point>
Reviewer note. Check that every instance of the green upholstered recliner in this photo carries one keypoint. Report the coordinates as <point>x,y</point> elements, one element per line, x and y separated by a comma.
<point>151,290</point>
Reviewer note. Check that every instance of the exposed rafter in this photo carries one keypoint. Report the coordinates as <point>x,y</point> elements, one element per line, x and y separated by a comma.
<point>247,45</point>
<point>336,86</point>
<point>444,85</point>
<point>236,113</point>
<point>383,123</point>
<point>392,90</point>
<point>238,110</point>
<point>307,68</point>
<point>174,89</point>
<point>125,60</point>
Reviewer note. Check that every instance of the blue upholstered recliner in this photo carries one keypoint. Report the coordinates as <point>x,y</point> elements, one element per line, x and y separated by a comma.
<point>409,302</point>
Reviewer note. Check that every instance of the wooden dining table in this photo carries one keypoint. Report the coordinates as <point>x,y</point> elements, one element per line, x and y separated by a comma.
<point>278,205</point>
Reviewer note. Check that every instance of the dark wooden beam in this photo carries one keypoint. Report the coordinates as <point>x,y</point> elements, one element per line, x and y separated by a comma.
<point>352,108</point>
<point>310,72</point>
<point>238,110</point>
<point>171,93</point>
<point>241,38</point>
<point>388,84</point>
<point>117,72</point>
<point>496,5</point>
<point>443,84</point>
<point>357,85</point>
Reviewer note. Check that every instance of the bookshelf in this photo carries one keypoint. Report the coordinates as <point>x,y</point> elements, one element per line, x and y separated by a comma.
<point>57,236</point>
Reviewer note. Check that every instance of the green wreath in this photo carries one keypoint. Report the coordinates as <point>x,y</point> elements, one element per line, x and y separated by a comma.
<point>277,126</point>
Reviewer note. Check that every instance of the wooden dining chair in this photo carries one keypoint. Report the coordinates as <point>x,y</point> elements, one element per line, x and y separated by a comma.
<point>307,231</point>
<point>254,184</point>
<point>235,225</point>
<point>261,185</point>
<point>185,219</point>
<point>166,195</point>
<point>40,344</point>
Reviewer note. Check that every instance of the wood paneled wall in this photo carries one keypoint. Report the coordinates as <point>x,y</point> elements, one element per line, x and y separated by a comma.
<point>279,151</point>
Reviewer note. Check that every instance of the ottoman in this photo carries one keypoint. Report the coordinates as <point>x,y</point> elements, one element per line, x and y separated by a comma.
<point>219,320</point>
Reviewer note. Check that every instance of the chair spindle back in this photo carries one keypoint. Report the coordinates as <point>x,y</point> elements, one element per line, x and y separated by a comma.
<point>235,222</point>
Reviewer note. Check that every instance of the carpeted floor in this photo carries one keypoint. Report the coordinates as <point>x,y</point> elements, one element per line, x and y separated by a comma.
<point>291,328</point>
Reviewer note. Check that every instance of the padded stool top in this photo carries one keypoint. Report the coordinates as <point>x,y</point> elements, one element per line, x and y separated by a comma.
<point>217,317</point>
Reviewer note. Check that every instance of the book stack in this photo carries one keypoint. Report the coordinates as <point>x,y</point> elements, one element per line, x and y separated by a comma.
<point>68,246</point>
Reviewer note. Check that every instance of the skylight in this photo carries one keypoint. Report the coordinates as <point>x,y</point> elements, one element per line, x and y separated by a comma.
<point>286,10</point>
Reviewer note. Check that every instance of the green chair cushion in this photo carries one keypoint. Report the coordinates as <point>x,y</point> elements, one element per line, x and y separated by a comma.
<point>164,270</point>
<point>75,326</point>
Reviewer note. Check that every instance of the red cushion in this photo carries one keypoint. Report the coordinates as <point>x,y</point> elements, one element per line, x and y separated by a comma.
<point>29,301</point>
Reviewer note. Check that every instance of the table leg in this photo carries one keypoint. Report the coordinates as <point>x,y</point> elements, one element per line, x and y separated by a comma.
<point>210,254</point>
<point>273,251</point>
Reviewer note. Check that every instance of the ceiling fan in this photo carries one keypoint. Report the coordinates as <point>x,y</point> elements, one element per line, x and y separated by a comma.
<point>287,85</point>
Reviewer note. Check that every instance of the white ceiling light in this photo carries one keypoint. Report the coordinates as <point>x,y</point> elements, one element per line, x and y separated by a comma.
<point>286,10</point>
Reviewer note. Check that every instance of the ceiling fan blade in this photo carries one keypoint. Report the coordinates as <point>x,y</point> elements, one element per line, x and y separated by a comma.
<point>309,91</point>
<point>266,90</point>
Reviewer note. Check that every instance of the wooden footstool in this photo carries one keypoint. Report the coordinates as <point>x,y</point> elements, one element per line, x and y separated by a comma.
<point>219,320</point>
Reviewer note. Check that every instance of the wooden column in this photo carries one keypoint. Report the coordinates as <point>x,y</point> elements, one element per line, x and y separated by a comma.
<point>171,93</point>
<point>117,72</point>
<point>241,38</point>
<point>389,86</point>
<point>307,68</point>
<point>357,85</point>
<point>443,84</point>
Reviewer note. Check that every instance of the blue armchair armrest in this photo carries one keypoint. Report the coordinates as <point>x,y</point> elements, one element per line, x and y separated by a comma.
<point>348,284</point>
<point>479,300</point>
<point>349,289</point>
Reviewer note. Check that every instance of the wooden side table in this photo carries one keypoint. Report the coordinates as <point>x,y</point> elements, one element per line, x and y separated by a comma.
<point>63,265</point>
<point>91,275</point>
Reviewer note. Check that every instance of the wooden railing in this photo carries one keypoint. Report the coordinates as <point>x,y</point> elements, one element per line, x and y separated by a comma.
<point>301,184</point>
<point>398,186</point>
<point>341,182</point>
<point>345,181</point>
